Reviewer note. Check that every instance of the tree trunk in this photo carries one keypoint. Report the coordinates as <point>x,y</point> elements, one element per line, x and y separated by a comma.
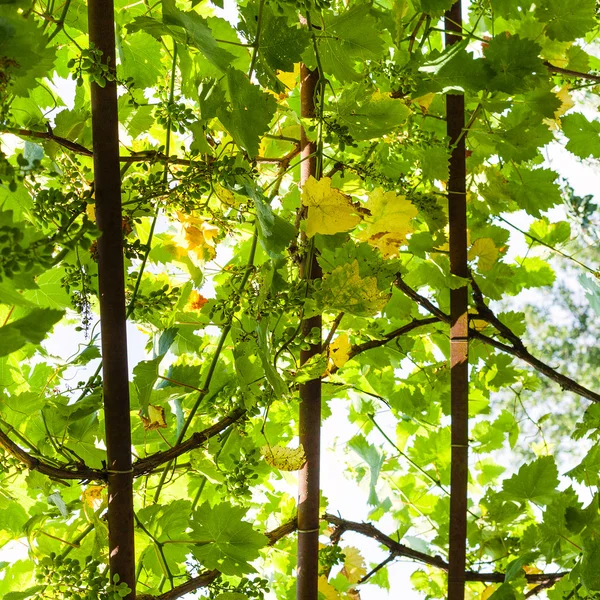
<point>459,328</point>
<point>310,392</point>
<point>107,184</point>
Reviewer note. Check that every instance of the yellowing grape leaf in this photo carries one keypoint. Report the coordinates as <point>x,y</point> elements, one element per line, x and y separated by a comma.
<point>329,210</point>
<point>566,102</point>
<point>290,79</point>
<point>196,235</point>
<point>284,459</point>
<point>354,564</point>
<point>487,592</point>
<point>195,302</point>
<point>339,350</point>
<point>327,590</point>
<point>155,418</point>
<point>485,250</point>
<point>92,496</point>
<point>389,221</point>
<point>344,289</point>
<point>226,196</point>
<point>425,101</point>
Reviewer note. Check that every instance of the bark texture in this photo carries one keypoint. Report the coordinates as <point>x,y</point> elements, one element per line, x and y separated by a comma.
<point>107,184</point>
<point>459,327</point>
<point>310,392</point>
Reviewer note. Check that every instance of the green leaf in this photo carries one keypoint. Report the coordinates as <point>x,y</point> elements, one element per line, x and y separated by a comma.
<point>275,233</point>
<point>369,114</point>
<point>145,374</point>
<point>454,69</point>
<point>348,38</point>
<point>198,34</point>
<point>223,541</point>
<point>436,7</point>
<point>535,190</point>
<point>50,292</point>
<point>249,114</point>
<point>552,234</point>
<point>584,135</point>
<point>281,43</point>
<point>513,64</point>
<point>590,573</point>
<point>140,56</point>
<point>504,592</point>
<point>274,378</point>
<point>31,329</point>
<point>435,163</point>
<point>28,593</point>
<point>566,21</point>
<point>536,481</point>
<point>514,569</point>
<point>588,470</point>
<point>371,455</point>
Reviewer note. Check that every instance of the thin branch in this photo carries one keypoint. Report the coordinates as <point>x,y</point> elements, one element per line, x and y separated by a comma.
<point>360,348</point>
<point>397,550</point>
<point>148,464</point>
<point>76,471</point>
<point>570,73</point>
<point>518,349</point>
<point>48,135</point>
<point>142,156</point>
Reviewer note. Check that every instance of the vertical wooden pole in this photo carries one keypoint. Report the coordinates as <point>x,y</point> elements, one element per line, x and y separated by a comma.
<point>310,392</point>
<point>107,184</point>
<point>459,328</point>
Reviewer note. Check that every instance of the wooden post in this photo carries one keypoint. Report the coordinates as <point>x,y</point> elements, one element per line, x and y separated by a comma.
<point>107,185</point>
<point>459,327</point>
<point>309,492</point>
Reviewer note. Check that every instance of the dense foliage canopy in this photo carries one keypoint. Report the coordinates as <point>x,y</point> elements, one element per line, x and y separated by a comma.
<point>216,228</point>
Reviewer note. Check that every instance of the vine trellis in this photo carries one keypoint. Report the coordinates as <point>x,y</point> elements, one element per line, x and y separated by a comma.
<point>298,203</point>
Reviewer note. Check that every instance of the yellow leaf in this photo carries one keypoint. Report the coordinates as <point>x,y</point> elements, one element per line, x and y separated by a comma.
<point>389,222</point>
<point>195,302</point>
<point>328,591</point>
<point>566,102</point>
<point>487,592</point>
<point>92,496</point>
<point>289,79</point>
<point>425,101</point>
<point>485,250</point>
<point>196,235</point>
<point>345,289</point>
<point>329,210</point>
<point>339,350</point>
<point>226,196</point>
<point>284,459</point>
<point>90,211</point>
<point>354,564</point>
<point>155,418</point>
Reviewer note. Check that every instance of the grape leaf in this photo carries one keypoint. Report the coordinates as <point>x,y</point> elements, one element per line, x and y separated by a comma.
<point>584,135</point>
<point>249,113</point>
<point>329,210</point>
<point>223,541</point>
<point>389,221</point>
<point>566,21</point>
<point>197,33</point>
<point>536,481</point>
<point>345,290</point>
<point>32,329</point>
<point>513,64</point>
<point>349,37</point>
